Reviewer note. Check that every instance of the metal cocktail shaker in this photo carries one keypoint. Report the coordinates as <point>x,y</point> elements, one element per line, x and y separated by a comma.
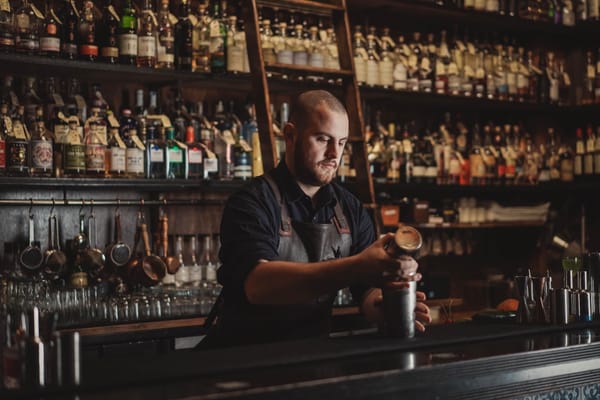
<point>399,302</point>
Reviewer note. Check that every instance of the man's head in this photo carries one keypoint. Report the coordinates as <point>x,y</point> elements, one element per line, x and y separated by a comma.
<point>315,137</point>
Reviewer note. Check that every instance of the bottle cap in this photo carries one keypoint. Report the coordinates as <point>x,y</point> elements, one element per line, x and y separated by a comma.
<point>189,134</point>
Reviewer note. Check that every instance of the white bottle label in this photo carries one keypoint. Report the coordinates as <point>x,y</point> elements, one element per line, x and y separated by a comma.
<point>372,73</point>
<point>195,156</point>
<point>361,69</point>
<point>157,155</point>
<point>386,73</point>
<point>175,155</point>
<point>134,161</point>
<point>146,46</point>
<point>128,44</point>
<point>211,164</point>
<point>50,44</point>
<point>285,57</point>
<point>117,159</point>
<point>235,58</point>
<point>316,60</point>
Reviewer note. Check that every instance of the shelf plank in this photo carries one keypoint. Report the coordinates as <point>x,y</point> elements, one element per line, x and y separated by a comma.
<point>476,225</point>
<point>291,68</point>
<point>306,5</point>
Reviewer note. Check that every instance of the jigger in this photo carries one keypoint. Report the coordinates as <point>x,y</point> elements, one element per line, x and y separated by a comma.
<point>540,296</point>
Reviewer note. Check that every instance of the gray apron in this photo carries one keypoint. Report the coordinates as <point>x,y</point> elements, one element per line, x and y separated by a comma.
<point>299,242</point>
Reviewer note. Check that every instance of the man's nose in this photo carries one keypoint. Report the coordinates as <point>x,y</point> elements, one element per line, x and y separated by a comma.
<point>332,150</point>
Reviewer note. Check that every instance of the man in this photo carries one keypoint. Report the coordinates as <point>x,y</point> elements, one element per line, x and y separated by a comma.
<point>293,237</point>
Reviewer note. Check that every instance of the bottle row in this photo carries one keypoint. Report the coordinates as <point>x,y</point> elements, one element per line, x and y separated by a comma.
<point>61,134</point>
<point>563,12</point>
<point>493,153</point>
<point>480,66</point>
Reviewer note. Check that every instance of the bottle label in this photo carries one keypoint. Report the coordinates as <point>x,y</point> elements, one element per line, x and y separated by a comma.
<point>109,52</point>
<point>175,155</point>
<point>316,60</point>
<point>50,44</point>
<point>134,161</point>
<point>597,163</point>
<point>41,154</point>
<point>300,58</point>
<point>157,155</point>
<point>95,155</point>
<point>128,44</point>
<point>588,164</point>
<point>235,58</point>
<point>146,46</point>
<point>117,159</point>
<point>74,157</point>
<point>195,156</point>
<point>2,154</point>
<point>361,69</point>
<point>217,44</point>
<point>88,50</point>
<point>165,48</point>
<point>285,57</point>
<point>211,165</point>
<point>17,154</point>
<point>386,73</point>
<point>372,73</point>
<point>61,133</point>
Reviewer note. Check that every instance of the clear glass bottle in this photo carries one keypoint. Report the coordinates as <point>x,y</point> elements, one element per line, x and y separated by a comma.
<point>300,51</point>
<point>266,40</point>
<point>283,45</point>
<point>108,32</point>
<point>147,35</point>
<point>155,154</point>
<point>386,64</point>
<point>42,149</point>
<point>74,148</point>
<point>316,57</point>
<point>87,45</point>
<point>175,157</point>
<point>427,65</point>
<point>414,62</point>
<point>128,38</point>
<point>195,271</point>
<point>134,161</point>
<point>165,45</point>
<point>372,64</point>
<point>182,276</point>
<point>209,268</point>
<point>400,65</point>
<point>201,42</point>
<point>50,34</point>
<point>183,38</point>
<point>95,143</point>
<point>194,154</point>
<point>116,155</point>
<point>332,59</point>
<point>235,48</point>
<point>28,22</point>
<point>5,131</point>
<point>218,40</point>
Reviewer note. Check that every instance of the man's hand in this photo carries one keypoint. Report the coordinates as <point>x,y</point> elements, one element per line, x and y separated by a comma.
<point>372,307</point>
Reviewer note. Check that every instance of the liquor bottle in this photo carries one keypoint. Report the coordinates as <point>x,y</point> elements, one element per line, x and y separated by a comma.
<point>543,90</point>
<point>211,161</point>
<point>316,52</point>
<point>427,65</point>
<point>224,141</point>
<point>30,100</point>
<point>176,162</point>
<point>17,146</point>
<point>400,66</point>
<point>195,271</point>
<point>442,62</point>
<point>183,38</point>
<point>299,48</point>
<point>50,34</point>
<point>597,154</point>
<point>414,62</point>
<point>69,16</point>
<point>553,157</point>
<point>218,40</point>
<point>28,22</point>
<point>5,130</point>
<point>182,276</point>
<point>497,147</point>
<point>554,79</point>
<point>430,159</point>
<point>116,155</point>
<point>566,164</point>
<point>266,40</point>
<point>134,161</point>
<point>579,154</point>
<point>236,49</point>
<point>128,38</point>
<point>332,59</point>
<point>74,148</point>
<point>509,155</point>
<point>87,45</point>
<point>512,70</point>
<point>360,55</point>
<point>208,265</point>
<point>587,96</point>
<point>165,45</point>
<point>283,45</point>
<point>522,76</point>
<point>108,34</point>
<point>194,154</point>
<point>41,146</point>
<point>588,158</point>
<point>386,63</point>
<point>95,143</point>
<point>147,34</point>
<point>476,159</point>
<point>201,41</point>
<point>242,153</point>
<point>372,67</point>
<point>7,28</point>
<point>567,13</point>
<point>155,155</point>
<point>489,158</point>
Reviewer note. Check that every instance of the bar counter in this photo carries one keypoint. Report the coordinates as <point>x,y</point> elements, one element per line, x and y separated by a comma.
<point>483,360</point>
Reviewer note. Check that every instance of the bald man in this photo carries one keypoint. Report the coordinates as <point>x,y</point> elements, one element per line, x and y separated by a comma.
<point>293,237</point>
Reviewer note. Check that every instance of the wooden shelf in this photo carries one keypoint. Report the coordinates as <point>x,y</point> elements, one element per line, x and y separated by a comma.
<point>302,5</point>
<point>387,11</point>
<point>476,225</point>
<point>306,69</point>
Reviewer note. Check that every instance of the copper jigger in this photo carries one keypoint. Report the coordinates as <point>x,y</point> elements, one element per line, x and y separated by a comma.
<point>407,241</point>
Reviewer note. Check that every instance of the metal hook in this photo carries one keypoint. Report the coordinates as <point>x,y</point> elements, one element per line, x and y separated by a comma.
<point>117,211</point>
<point>53,206</point>
<point>91,207</point>
<point>31,206</point>
<point>81,207</point>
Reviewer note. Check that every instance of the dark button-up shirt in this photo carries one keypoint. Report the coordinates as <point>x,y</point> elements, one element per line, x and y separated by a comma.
<point>252,218</point>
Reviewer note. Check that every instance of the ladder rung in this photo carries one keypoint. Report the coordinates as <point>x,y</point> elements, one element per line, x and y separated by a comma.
<point>309,5</point>
<point>307,69</point>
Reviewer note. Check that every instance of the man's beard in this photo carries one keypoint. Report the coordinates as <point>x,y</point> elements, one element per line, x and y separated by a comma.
<point>312,176</point>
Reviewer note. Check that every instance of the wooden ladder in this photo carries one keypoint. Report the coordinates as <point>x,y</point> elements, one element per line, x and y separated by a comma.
<point>349,86</point>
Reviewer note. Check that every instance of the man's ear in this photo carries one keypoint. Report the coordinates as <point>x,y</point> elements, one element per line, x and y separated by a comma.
<point>289,130</point>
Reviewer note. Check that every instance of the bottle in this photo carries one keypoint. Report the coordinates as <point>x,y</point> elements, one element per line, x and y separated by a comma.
<point>50,34</point>
<point>211,161</point>
<point>579,153</point>
<point>17,146</point>
<point>7,28</point>
<point>588,158</point>
<point>441,65</point>
<point>566,164</point>
<point>360,55</point>
<point>235,48</point>
<point>183,38</point>
<point>165,45</point>
<point>195,271</point>
<point>597,155</point>
<point>155,155</point>
<point>182,276</point>
<point>42,151</point>
<point>218,40</point>
<point>489,158</point>
<point>242,153</point>
<point>128,38</point>
<point>426,66</point>
<point>194,154</point>
<point>332,59</point>
<point>95,143</point>
<point>134,162</point>
<point>283,45</point>
<point>266,40</point>
<point>476,159</point>
<point>147,34</point>
<point>587,97</point>
<point>5,130</point>
<point>209,268</point>
<point>386,63</point>
<point>28,22</point>
<point>116,155</point>
<point>108,34</point>
<point>299,48</point>
<point>74,148</point>
<point>87,46</point>
<point>201,42</point>
<point>69,15</point>
<point>175,159</point>
<point>414,62</point>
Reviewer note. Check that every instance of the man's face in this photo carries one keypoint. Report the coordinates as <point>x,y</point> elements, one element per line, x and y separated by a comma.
<point>318,149</point>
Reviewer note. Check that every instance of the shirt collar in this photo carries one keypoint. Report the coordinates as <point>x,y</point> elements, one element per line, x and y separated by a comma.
<point>287,182</point>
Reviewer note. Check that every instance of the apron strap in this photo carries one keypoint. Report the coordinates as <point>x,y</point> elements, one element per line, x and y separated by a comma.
<point>286,221</point>
<point>339,219</point>
<point>214,311</point>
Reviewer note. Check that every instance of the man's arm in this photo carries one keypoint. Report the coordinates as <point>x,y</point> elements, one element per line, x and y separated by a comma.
<point>285,282</point>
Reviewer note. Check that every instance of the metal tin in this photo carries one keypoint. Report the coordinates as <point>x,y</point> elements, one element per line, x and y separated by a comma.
<point>584,311</point>
<point>407,240</point>
<point>399,310</point>
<point>560,306</point>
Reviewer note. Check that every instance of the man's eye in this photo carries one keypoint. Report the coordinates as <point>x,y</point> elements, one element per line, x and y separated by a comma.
<point>323,139</point>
